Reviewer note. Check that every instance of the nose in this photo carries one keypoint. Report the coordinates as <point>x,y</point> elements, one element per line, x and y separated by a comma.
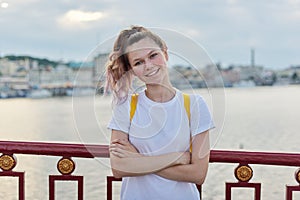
<point>148,64</point>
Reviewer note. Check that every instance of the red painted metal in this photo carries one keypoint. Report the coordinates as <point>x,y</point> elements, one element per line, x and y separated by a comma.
<point>91,151</point>
<point>53,178</point>
<point>256,186</point>
<point>109,180</point>
<point>20,176</point>
<point>55,149</point>
<point>297,175</point>
<point>263,158</point>
<point>199,187</point>
<point>290,190</point>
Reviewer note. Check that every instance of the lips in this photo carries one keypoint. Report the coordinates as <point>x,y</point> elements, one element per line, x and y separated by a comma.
<point>152,73</point>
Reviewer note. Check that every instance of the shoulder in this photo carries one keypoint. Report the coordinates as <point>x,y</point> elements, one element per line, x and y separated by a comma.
<point>198,104</point>
<point>197,99</point>
<point>137,95</point>
<point>194,98</point>
<point>125,103</point>
<point>122,105</point>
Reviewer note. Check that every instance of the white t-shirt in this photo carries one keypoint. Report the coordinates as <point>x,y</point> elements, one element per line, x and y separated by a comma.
<point>159,128</point>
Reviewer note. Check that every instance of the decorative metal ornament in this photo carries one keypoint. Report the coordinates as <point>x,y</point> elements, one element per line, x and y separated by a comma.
<point>66,166</point>
<point>297,175</point>
<point>243,173</point>
<point>7,162</point>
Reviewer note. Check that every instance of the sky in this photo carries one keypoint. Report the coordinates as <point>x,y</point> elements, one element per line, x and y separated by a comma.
<point>69,30</point>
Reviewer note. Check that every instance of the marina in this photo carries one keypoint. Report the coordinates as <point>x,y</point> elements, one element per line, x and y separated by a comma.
<point>24,76</point>
<point>263,120</point>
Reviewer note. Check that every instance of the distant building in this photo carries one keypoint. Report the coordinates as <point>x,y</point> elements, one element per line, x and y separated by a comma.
<point>7,67</point>
<point>99,65</point>
<point>249,72</point>
<point>186,77</point>
<point>99,71</point>
<point>230,76</point>
<point>289,75</point>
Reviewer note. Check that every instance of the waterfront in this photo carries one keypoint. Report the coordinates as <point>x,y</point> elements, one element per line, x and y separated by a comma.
<point>257,119</point>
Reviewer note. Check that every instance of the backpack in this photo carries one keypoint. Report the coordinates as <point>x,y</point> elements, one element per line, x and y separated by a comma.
<point>186,102</point>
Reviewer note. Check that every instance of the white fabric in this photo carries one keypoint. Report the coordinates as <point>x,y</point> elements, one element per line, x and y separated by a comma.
<point>159,128</point>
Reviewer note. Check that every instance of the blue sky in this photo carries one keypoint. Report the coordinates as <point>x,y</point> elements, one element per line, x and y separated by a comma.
<point>227,29</point>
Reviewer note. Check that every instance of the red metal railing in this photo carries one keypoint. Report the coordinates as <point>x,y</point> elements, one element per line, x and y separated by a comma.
<point>66,165</point>
<point>244,172</point>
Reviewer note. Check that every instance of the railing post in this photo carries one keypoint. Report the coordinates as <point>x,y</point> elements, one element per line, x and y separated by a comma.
<point>21,186</point>
<point>109,180</point>
<point>7,163</point>
<point>53,178</point>
<point>199,187</point>
<point>243,173</point>
<point>65,166</point>
<point>20,176</point>
<point>290,189</point>
<point>109,187</point>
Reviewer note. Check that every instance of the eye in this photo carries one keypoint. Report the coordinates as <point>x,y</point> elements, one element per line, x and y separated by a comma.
<point>137,63</point>
<point>153,55</point>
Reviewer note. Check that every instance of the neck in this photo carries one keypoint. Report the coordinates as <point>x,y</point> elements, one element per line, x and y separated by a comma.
<point>160,93</point>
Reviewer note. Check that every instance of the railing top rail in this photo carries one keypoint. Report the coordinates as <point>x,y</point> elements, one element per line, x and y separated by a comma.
<point>93,150</point>
<point>54,149</point>
<point>247,157</point>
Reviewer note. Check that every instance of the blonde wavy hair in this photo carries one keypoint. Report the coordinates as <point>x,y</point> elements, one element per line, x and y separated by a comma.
<point>119,75</point>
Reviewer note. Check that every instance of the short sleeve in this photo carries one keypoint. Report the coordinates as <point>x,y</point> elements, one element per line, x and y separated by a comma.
<point>120,118</point>
<point>201,118</point>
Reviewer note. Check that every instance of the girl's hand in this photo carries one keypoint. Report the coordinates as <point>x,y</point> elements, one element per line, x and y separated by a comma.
<point>123,148</point>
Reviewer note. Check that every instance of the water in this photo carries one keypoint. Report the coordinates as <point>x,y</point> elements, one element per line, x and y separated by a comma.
<point>257,119</point>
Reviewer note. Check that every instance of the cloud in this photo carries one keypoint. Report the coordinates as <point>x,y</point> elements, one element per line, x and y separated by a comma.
<point>227,29</point>
<point>75,18</point>
<point>3,5</point>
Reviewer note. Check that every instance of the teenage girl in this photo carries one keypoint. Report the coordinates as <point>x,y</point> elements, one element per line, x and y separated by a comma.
<point>159,136</point>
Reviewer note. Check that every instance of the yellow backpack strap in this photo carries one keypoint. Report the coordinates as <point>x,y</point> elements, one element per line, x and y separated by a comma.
<point>186,101</point>
<point>133,103</point>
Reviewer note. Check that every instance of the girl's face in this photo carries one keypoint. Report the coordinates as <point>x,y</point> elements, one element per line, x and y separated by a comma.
<point>148,61</point>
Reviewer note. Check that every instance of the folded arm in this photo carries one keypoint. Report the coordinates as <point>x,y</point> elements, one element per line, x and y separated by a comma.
<point>196,171</point>
<point>127,161</point>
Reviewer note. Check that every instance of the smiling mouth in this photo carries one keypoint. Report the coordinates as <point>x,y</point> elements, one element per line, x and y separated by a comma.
<point>152,73</point>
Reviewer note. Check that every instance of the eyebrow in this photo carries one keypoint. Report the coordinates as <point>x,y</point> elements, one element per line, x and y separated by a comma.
<point>137,59</point>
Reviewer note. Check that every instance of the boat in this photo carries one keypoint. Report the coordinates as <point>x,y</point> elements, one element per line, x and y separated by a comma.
<point>39,93</point>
